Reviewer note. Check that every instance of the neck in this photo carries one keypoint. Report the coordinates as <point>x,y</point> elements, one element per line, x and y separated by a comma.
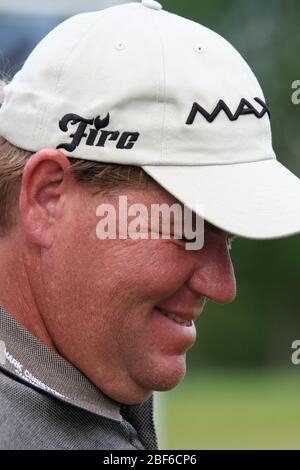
<point>19,279</point>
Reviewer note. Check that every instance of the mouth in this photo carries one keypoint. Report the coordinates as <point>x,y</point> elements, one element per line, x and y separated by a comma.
<point>181,321</point>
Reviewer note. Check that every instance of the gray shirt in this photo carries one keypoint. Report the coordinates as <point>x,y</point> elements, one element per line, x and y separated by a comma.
<point>47,403</point>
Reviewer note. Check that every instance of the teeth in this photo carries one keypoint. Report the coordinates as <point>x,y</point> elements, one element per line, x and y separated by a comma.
<point>175,318</point>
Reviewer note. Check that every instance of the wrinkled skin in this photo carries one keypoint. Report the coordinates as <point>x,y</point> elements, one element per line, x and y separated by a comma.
<point>93,301</point>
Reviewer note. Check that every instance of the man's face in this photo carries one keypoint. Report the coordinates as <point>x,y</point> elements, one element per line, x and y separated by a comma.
<point>104,298</point>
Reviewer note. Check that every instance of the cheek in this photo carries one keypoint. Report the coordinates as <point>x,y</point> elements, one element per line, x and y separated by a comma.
<point>159,271</point>
<point>127,272</point>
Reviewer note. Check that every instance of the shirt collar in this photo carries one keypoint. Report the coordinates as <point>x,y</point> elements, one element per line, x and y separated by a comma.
<point>30,361</point>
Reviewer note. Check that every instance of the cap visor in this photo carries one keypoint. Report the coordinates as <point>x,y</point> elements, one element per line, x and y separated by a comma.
<point>259,200</point>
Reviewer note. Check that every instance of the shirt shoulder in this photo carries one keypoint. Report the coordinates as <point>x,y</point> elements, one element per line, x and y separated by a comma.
<point>31,420</point>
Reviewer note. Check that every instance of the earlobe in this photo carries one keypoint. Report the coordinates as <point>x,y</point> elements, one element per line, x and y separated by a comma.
<point>42,188</point>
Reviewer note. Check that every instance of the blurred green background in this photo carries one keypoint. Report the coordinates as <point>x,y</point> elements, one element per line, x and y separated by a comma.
<point>241,389</point>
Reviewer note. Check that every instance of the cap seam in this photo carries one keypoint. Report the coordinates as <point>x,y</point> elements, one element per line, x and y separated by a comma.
<point>87,29</point>
<point>163,100</point>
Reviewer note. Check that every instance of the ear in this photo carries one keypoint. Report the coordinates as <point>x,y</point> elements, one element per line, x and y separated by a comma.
<point>43,186</point>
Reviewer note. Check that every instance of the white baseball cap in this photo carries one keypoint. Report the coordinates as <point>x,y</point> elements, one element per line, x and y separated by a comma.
<point>136,85</point>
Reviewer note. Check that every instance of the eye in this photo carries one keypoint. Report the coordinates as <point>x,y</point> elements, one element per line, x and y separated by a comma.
<point>188,240</point>
<point>184,239</point>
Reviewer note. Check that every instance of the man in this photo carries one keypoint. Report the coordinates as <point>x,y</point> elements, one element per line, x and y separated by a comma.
<point>130,101</point>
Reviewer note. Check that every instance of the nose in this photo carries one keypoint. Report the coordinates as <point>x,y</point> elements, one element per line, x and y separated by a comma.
<point>213,275</point>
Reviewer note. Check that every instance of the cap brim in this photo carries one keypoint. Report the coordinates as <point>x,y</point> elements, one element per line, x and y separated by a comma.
<point>259,200</point>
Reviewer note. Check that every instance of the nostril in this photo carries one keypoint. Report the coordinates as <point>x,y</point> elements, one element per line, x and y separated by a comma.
<point>225,298</point>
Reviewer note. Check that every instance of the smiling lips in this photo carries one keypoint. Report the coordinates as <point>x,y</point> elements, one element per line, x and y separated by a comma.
<point>172,316</point>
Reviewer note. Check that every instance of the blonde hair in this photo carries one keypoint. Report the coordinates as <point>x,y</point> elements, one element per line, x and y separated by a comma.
<point>100,176</point>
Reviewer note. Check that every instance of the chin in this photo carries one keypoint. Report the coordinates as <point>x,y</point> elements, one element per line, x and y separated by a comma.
<point>159,376</point>
<point>163,376</point>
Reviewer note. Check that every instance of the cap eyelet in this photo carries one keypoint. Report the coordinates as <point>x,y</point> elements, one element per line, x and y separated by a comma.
<point>120,46</point>
<point>199,49</point>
